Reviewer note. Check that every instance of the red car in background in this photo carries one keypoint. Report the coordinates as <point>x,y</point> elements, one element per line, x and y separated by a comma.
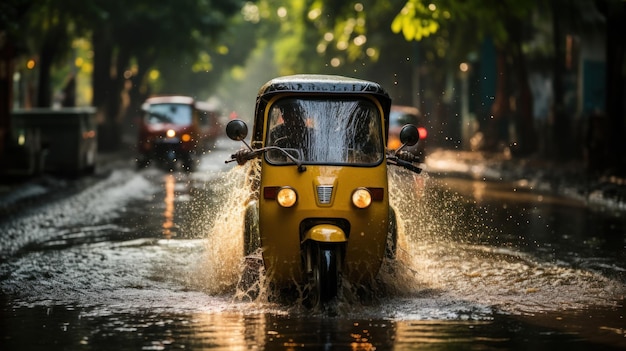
<point>176,129</point>
<point>400,116</point>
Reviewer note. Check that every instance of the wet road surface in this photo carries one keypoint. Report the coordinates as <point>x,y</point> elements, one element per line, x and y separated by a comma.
<point>149,260</point>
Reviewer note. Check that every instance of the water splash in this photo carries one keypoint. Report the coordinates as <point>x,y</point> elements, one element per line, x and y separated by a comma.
<point>221,266</point>
<point>438,260</point>
<point>437,265</point>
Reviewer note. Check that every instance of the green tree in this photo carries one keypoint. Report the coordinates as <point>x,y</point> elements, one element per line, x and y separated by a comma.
<point>507,22</point>
<point>347,38</point>
<point>129,39</point>
<point>49,34</point>
<point>612,154</point>
<point>134,37</point>
<point>12,19</point>
<point>355,39</point>
<point>504,22</point>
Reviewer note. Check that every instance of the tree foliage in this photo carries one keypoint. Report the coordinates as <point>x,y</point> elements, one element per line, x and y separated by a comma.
<point>417,20</point>
<point>134,44</point>
<point>501,21</point>
<point>412,47</point>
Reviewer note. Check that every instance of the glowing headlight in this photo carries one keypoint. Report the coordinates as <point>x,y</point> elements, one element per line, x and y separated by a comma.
<point>361,198</point>
<point>170,133</point>
<point>286,197</point>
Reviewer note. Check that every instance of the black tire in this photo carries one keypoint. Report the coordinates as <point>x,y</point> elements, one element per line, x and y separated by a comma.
<point>251,235</point>
<point>326,276</point>
<point>392,235</point>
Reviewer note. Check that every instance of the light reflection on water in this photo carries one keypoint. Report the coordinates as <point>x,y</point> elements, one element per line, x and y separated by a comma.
<point>448,252</point>
<point>449,287</point>
<point>438,274</point>
<point>465,256</point>
<point>168,214</point>
<point>63,327</point>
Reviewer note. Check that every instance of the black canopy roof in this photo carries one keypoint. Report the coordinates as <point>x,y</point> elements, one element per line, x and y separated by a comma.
<point>318,84</point>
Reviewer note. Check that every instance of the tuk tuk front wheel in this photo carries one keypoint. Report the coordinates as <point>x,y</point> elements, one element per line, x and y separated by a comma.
<point>391,246</point>
<point>325,272</point>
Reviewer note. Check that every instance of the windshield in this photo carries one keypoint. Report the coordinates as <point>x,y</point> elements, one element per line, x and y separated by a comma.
<point>180,114</point>
<point>336,131</point>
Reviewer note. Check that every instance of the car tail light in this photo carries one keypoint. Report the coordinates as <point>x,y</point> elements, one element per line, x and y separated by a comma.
<point>422,132</point>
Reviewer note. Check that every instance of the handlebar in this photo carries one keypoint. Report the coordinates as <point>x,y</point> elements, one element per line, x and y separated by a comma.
<point>408,165</point>
<point>402,159</point>
<point>407,156</point>
<point>405,160</point>
<point>243,155</point>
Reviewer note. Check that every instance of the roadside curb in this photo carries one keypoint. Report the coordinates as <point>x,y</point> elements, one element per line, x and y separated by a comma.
<point>566,179</point>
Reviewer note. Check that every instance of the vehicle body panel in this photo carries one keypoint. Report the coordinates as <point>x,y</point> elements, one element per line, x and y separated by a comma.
<point>284,231</point>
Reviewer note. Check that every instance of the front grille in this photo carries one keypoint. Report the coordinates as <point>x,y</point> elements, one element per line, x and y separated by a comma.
<point>324,193</point>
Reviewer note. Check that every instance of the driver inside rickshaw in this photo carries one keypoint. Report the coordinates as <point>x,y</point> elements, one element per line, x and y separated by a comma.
<point>288,129</point>
<point>323,131</point>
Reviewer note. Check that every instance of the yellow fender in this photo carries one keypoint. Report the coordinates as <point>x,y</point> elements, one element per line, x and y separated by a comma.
<point>326,233</point>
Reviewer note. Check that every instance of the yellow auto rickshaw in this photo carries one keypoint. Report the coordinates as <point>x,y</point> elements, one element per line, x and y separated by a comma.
<point>321,216</point>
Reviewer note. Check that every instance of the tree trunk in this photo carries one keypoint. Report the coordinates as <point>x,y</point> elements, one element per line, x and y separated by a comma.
<point>7,56</point>
<point>137,94</point>
<point>102,50</point>
<point>103,53</point>
<point>524,116</point>
<point>616,66</point>
<point>54,39</point>
<point>107,88</point>
<point>492,125</point>
<point>559,144</point>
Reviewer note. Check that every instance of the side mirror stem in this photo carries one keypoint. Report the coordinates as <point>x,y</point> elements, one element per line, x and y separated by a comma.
<point>399,149</point>
<point>246,144</point>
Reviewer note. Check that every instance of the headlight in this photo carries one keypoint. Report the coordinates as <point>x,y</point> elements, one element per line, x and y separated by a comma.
<point>170,133</point>
<point>286,197</point>
<point>361,198</point>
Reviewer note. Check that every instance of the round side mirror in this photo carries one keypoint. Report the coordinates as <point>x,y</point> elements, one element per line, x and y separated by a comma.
<point>409,135</point>
<point>237,130</point>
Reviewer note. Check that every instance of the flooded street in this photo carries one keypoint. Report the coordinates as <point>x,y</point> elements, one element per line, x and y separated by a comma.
<point>149,260</point>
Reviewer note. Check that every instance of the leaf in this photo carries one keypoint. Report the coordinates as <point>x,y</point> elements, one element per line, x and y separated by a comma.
<point>408,30</point>
<point>396,25</point>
